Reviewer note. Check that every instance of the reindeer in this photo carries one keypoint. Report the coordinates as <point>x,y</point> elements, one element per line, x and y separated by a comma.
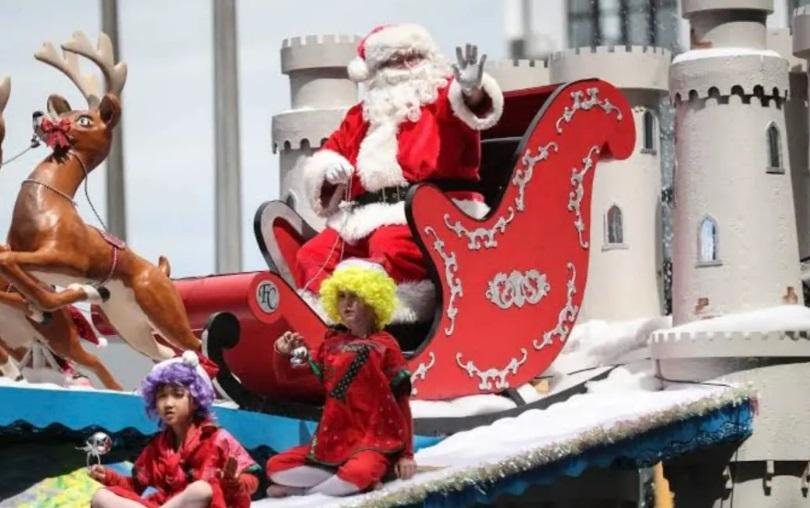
<point>20,325</point>
<point>50,242</point>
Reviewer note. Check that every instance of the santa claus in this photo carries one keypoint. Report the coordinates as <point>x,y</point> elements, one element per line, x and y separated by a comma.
<point>419,121</point>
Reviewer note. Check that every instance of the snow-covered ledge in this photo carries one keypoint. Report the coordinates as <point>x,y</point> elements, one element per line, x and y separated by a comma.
<point>782,331</point>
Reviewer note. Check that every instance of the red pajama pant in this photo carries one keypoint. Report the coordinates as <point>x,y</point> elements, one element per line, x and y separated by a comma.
<point>391,246</point>
<point>363,469</point>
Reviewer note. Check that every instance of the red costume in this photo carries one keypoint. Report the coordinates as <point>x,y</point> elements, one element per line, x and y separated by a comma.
<point>202,457</point>
<point>435,140</point>
<point>366,423</point>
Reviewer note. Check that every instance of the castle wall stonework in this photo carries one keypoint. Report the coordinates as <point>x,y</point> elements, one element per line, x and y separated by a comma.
<point>320,95</point>
<point>735,248</point>
<point>634,265</point>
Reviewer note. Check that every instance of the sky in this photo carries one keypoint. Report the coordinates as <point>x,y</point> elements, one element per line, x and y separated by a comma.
<point>168,99</point>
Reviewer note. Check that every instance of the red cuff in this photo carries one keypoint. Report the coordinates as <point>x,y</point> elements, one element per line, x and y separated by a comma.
<point>112,479</point>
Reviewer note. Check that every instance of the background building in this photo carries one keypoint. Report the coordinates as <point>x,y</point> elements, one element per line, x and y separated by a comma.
<point>614,22</point>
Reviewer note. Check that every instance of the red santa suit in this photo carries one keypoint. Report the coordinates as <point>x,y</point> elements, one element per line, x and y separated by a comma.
<point>202,456</point>
<point>366,423</point>
<point>437,141</point>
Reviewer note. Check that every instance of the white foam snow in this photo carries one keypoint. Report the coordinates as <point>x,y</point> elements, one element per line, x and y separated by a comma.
<point>773,319</point>
<point>605,406</point>
<point>591,347</point>
<point>698,54</point>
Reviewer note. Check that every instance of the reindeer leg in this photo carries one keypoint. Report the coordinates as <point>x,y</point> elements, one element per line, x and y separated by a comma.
<point>64,341</point>
<point>14,300</point>
<point>31,288</point>
<point>7,366</point>
<point>160,302</point>
<point>20,304</point>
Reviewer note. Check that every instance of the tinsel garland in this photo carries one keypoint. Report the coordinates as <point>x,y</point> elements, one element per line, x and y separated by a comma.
<point>480,476</point>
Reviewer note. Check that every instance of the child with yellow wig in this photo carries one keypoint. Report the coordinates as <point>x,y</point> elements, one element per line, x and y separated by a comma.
<point>365,431</point>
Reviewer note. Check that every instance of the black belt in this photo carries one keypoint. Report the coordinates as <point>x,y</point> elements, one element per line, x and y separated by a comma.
<point>391,195</point>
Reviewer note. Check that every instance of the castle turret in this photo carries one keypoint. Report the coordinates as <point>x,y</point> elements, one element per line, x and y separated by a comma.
<point>320,92</point>
<point>735,246</point>
<point>625,252</point>
<point>735,256</point>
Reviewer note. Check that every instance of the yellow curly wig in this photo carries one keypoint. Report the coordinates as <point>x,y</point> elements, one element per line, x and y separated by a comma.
<point>375,288</point>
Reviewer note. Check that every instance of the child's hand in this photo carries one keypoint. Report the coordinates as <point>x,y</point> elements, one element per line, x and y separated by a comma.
<point>405,468</point>
<point>97,472</point>
<point>228,474</point>
<point>289,341</point>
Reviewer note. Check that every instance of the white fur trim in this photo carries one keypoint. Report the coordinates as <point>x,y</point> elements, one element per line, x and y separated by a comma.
<point>358,70</point>
<point>314,172</point>
<point>356,223</point>
<point>417,302</point>
<point>314,303</point>
<point>363,264</point>
<point>462,111</point>
<point>102,342</point>
<point>190,359</point>
<point>381,45</point>
<point>377,163</point>
<point>91,294</point>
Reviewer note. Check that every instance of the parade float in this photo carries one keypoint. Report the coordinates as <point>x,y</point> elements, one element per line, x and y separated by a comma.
<point>508,389</point>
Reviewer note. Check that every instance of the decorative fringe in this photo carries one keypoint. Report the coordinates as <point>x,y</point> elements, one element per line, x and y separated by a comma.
<point>479,476</point>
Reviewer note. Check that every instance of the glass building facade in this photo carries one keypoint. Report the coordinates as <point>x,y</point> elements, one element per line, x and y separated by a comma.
<point>629,22</point>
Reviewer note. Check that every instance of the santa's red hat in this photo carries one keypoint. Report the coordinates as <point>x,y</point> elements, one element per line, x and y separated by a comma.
<point>385,40</point>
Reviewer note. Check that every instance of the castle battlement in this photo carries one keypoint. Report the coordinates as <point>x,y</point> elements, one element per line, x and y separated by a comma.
<point>317,52</point>
<point>303,129</point>
<point>627,67</point>
<point>601,50</point>
<point>746,73</point>
<point>517,74</point>
<point>683,344</point>
<point>309,40</point>
<point>509,64</point>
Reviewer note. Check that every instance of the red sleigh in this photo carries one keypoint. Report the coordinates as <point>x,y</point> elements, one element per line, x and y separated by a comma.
<point>510,285</point>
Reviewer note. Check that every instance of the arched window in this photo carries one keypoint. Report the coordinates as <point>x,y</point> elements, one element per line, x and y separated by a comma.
<point>649,131</point>
<point>774,150</point>
<point>707,242</point>
<point>615,233</point>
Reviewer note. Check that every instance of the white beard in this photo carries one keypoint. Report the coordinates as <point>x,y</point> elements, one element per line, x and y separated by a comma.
<point>394,95</point>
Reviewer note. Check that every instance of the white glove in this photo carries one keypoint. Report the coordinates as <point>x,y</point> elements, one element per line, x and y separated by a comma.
<point>339,172</point>
<point>468,70</point>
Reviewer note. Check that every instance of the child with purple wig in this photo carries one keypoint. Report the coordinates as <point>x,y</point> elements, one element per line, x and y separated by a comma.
<point>192,462</point>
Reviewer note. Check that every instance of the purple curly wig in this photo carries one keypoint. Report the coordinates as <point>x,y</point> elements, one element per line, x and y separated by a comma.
<point>179,374</point>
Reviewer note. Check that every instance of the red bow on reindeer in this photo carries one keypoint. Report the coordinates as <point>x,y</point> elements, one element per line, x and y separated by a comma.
<point>55,134</point>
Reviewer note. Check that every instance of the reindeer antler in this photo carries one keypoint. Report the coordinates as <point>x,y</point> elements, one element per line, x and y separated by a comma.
<point>115,74</point>
<point>5,91</point>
